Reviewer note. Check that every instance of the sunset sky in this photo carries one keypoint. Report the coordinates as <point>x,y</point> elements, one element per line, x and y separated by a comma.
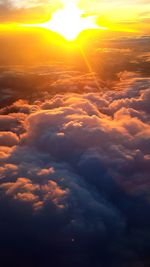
<point>116,15</point>
<point>75,133</point>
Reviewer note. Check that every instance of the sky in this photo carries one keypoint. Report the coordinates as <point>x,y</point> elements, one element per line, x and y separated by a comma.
<point>133,15</point>
<point>75,137</point>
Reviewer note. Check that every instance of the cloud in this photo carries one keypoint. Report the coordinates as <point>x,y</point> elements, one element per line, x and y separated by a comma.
<point>8,139</point>
<point>23,4</point>
<point>27,11</point>
<point>74,180</point>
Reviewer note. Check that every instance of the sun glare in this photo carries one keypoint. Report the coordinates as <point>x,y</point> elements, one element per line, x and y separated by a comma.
<point>69,22</point>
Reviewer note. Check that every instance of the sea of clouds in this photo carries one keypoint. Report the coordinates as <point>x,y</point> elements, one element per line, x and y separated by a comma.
<point>74,178</point>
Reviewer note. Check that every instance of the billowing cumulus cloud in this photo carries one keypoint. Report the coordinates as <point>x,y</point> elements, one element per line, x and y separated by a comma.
<point>8,139</point>
<point>74,178</point>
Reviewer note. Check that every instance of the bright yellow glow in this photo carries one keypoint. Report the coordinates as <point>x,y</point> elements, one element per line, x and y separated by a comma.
<point>69,22</point>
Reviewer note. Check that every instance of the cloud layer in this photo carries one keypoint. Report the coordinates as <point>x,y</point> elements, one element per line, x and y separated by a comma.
<point>74,178</point>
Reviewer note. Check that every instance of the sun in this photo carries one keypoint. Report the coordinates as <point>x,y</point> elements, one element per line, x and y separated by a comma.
<point>69,22</point>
